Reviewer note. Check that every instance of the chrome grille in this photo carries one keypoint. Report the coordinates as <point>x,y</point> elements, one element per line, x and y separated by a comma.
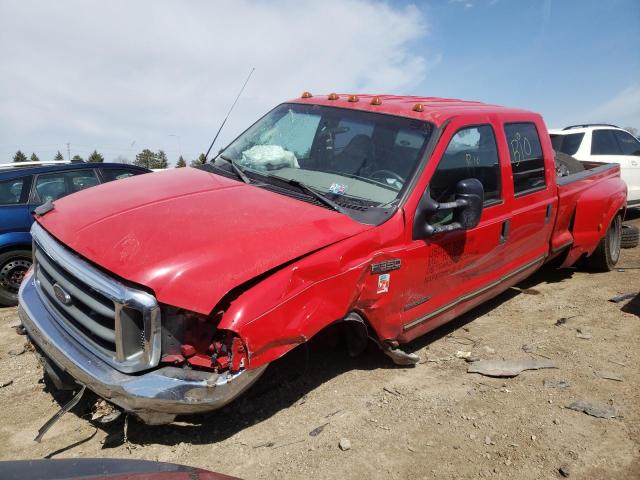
<point>118,323</point>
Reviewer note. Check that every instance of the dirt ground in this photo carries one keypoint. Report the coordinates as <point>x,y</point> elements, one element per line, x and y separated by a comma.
<point>432,421</point>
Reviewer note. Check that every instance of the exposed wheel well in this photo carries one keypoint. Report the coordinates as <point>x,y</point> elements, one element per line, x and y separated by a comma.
<point>15,247</point>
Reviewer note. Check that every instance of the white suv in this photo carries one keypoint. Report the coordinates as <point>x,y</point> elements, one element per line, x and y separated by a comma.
<point>603,143</point>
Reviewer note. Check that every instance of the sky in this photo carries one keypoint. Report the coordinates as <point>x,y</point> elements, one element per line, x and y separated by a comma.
<point>120,76</point>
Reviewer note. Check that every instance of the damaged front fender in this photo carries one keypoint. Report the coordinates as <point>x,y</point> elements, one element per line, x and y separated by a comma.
<point>293,304</point>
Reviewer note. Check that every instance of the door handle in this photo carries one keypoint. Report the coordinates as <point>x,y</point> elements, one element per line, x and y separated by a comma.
<point>547,216</point>
<point>504,231</point>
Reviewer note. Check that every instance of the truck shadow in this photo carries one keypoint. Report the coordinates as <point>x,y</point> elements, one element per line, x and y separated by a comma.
<point>526,287</point>
<point>286,383</point>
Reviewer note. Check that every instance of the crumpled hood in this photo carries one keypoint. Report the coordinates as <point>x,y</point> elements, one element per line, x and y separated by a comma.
<point>189,235</point>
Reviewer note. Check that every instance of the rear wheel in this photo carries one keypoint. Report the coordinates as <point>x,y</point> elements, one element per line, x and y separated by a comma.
<point>13,266</point>
<point>607,254</point>
<point>630,236</point>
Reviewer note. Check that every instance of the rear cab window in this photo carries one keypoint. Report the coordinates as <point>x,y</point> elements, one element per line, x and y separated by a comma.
<point>347,130</point>
<point>14,191</point>
<point>527,160</point>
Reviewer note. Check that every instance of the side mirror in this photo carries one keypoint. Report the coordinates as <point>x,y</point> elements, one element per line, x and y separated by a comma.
<point>467,210</point>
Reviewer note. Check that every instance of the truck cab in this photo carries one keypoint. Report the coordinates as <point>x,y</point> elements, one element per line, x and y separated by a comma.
<point>390,214</point>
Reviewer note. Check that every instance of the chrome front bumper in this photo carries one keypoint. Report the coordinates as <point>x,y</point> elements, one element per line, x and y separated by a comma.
<point>156,396</point>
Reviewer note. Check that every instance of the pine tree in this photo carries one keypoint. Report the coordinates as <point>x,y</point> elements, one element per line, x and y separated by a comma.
<point>77,159</point>
<point>181,162</point>
<point>162,160</point>
<point>146,158</point>
<point>58,157</point>
<point>34,158</point>
<point>201,160</point>
<point>95,157</point>
<point>19,157</point>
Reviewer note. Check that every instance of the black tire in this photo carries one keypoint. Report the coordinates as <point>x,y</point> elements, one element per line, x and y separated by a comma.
<point>607,253</point>
<point>630,236</point>
<point>567,165</point>
<point>13,265</point>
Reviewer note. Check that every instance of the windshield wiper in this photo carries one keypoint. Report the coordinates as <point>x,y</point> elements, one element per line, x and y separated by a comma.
<point>316,195</point>
<point>236,169</point>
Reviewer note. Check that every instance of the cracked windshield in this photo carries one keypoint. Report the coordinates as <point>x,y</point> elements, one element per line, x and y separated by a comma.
<point>351,157</point>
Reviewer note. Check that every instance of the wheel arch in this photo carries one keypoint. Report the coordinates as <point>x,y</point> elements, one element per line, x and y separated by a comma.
<point>595,210</point>
<point>15,241</point>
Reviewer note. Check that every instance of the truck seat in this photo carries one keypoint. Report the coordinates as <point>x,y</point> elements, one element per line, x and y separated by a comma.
<point>354,155</point>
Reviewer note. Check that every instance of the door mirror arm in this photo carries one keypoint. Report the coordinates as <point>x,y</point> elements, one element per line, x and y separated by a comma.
<point>467,210</point>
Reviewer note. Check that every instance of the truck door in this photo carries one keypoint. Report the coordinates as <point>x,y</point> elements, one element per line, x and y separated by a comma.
<point>14,213</point>
<point>446,271</point>
<point>531,195</point>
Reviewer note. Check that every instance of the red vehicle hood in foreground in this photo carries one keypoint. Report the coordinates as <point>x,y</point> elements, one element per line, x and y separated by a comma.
<point>189,235</point>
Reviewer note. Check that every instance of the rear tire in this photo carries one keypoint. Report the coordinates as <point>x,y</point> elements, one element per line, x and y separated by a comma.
<point>13,265</point>
<point>630,236</point>
<point>607,253</point>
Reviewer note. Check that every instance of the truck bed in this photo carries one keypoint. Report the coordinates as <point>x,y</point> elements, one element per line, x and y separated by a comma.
<point>596,170</point>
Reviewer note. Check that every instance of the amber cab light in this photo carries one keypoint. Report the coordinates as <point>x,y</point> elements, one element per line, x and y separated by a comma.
<point>333,96</point>
<point>376,101</point>
<point>306,95</point>
<point>353,98</point>
<point>418,107</point>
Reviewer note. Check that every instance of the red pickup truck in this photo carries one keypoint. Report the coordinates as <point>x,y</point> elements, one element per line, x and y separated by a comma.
<point>171,293</point>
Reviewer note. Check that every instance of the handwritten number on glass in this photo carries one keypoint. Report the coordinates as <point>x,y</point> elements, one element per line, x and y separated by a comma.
<point>520,149</point>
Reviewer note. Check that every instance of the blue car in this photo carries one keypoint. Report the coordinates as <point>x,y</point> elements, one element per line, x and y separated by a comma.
<point>22,189</point>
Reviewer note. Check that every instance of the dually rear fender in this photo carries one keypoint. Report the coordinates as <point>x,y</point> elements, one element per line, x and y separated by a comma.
<point>595,209</point>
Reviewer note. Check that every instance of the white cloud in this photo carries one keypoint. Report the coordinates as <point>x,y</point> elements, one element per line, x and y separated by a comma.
<point>623,108</point>
<point>465,3</point>
<point>472,3</point>
<point>106,74</point>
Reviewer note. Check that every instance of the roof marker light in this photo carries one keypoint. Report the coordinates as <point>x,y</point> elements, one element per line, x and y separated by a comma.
<point>353,98</point>
<point>418,107</point>
<point>376,101</point>
<point>333,96</point>
<point>306,95</point>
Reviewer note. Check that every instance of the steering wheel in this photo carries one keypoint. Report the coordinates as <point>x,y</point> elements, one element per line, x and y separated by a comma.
<point>382,176</point>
